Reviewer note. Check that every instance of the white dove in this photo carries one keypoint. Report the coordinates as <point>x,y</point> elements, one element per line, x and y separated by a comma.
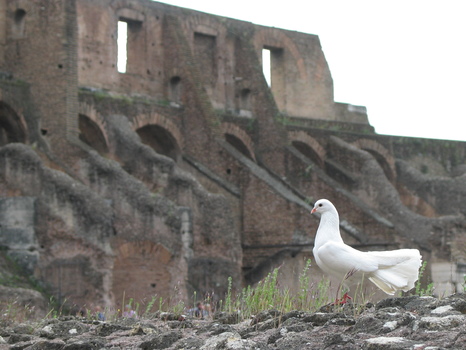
<point>389,270</point>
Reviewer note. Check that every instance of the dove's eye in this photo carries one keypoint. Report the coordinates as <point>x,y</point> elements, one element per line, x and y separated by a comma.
<point>320,204</point>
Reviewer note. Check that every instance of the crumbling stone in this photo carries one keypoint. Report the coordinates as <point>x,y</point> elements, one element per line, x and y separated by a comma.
<point>391,327</point>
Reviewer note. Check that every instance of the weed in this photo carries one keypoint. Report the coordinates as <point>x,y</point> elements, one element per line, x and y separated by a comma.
<point>150,305</point>
<point>421,291</point>
<point>56,309</point>
<point>303,293</point>
<point>228,304</point>
<point>12,311</point>
<point>267,294</point>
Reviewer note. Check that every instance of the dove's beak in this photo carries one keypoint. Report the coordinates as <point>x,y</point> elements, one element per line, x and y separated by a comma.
<point>313,210</point>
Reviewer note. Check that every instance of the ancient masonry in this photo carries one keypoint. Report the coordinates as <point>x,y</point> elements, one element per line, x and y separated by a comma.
<point>186,167</point>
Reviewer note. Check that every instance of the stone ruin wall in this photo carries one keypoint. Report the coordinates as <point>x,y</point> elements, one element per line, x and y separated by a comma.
<point>188,168</point>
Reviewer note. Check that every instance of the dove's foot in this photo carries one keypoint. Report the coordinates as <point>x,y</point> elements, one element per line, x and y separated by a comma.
<point>343,300</point>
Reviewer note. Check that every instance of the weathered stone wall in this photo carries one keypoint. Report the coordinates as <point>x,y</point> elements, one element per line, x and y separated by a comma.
<point>17,231</point>
<point>187,168</point>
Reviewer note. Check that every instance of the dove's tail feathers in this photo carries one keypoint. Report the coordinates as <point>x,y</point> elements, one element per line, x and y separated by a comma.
<point>398,270</point>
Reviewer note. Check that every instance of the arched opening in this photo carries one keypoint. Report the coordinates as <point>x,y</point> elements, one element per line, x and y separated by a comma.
<point>18,23</point>
<point>122,45</point>
<point>175,91</point>
<point>131,41</point>
<point>381,155</point>
<point>239,145</point>
<point>383,164</point>
<point>244,99</point>
<point>160,139</point>
<point>274,72</point>
<point>91,134</point>
<point>11,127</point>
<point>307,151</point>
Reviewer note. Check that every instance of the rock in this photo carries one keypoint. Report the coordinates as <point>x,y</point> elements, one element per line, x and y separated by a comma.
<point>440,323</point>
<point>381,343</point>
<point>227,318</point>
<point>64,329</point>
<point>230,341</point>
<point>161,341</point>
<point>394,323</point>
<point>337,339</point>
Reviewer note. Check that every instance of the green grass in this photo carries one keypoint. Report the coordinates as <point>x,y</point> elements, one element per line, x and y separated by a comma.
<point>270,294</point>
<point>429,289</point>
<point>267,294</point>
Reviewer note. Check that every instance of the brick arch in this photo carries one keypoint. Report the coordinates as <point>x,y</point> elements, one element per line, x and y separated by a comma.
<point>89,111</point>
<point>232,129</point>
<point>205,25</point>
<point>301,136</point>
<point>276,38</point>
<point>381,154</point>
<point>142,120</point>
<point>135,9</point>
<point>28,6</point>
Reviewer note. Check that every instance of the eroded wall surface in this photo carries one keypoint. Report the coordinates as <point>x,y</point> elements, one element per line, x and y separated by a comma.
<point>187,168</point>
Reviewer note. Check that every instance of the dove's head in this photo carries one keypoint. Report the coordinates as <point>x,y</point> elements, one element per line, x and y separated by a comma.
<point>322,206</point>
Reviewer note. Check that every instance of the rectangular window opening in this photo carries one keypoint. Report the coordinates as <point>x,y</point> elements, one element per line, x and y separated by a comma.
<point>122,46</point>
<point>266,68</point>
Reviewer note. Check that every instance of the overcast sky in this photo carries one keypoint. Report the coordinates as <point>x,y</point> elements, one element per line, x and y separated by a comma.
<point>405,60</point>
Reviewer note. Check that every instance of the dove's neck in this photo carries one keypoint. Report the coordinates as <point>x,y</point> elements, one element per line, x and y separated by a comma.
<point>329,229</point>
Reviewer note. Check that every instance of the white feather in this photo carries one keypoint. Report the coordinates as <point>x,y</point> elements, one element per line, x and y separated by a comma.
<point>389,270</point>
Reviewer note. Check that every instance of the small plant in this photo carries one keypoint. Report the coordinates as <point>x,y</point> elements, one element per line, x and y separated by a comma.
<point>303,293</point>
<point>56,309</point>
<point>269,294</point>
<point>150,305</point>
<point>308,170</point>
<point>430,287</point>
<point>11,311</point>
<point>228,304</point>
<point>320,295</point>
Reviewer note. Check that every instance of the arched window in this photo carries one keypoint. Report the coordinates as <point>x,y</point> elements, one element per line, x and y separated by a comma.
<point>245,99</point>
<point>91,134</point>
<point>19,23</point>
<point>239,145</point>
<point>11,127</point>
<point>307,151</point>
<point>160,139</point>
<point>175,91</point>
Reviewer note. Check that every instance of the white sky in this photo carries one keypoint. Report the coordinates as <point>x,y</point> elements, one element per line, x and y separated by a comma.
<point>405,60</point>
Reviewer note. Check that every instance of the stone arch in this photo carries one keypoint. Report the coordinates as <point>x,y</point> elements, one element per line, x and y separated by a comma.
<point>160,133</point>
<point>239,139</point>
<point>12,125</point>
<point>381,154</point>
<point>204,25</point>
<point>308,146</point>
<point>92,127</point>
